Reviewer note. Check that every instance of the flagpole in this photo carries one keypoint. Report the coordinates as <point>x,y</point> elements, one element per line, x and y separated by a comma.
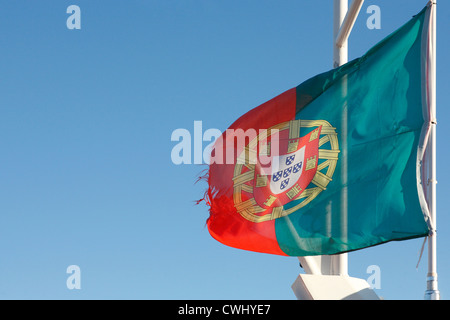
<point>432,292</point>
<point>339,262</point>
<point>340,52</point>
<point>343,21</point>
<point>348,23</point>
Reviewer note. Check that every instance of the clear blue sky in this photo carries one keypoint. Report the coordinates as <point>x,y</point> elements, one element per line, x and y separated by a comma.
<point>86,117</point>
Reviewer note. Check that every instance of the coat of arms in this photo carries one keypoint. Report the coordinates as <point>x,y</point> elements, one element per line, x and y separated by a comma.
<point>296,164</point>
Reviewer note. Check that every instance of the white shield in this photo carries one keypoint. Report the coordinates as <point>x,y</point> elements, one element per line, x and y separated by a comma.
<point>286,170</point>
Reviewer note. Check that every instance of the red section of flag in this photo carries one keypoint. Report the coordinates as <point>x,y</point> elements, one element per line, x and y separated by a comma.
<point>225,224</point>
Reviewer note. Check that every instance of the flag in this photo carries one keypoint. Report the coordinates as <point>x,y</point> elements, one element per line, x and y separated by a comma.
<point>333,165</point>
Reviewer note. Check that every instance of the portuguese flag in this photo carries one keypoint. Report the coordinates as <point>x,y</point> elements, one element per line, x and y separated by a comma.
<point>333,165</point>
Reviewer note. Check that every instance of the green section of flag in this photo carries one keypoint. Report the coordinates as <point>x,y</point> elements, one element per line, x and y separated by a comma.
<point>373,197</point>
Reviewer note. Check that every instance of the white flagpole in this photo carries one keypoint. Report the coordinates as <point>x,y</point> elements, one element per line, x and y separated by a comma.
<point>340,53</point>
<point>339,262</point>
<point>335,264</point>
<point>348,23</point>
<point>432,292</point>
<point>344,19</point>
